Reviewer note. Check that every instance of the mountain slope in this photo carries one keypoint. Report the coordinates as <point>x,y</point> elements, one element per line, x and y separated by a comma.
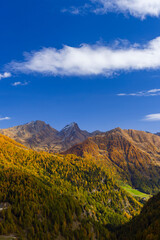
<point>41,136</point>
<point>34,134</point>
<point>71,135</point>
<point>46,196</point>
<point>146,226</point>
<point>133,155</point>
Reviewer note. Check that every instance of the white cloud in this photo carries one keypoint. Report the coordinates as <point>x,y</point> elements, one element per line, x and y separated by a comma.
<point>80,10</point>
<point>5,75</point>
<point>4,118</point>
<point>121,94</point>
<point>152,117</point>
<point>136,8</point>
<point>91,60</point>
<point>74,10</point>
<point>152,92</point>
<point>20,84</point>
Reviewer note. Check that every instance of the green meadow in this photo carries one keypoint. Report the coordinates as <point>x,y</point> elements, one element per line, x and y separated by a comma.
<point>135,192</point>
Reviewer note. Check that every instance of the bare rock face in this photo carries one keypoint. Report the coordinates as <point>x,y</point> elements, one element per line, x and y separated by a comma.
<point>42,137</point>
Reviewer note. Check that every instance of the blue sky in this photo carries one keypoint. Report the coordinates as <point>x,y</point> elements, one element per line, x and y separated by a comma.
<point>96,63</point>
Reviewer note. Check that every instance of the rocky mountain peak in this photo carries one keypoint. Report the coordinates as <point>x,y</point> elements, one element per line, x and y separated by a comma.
<point>70,128</point>
<point>41,136</point>
<point>38,126</point>
<point>117,129</point>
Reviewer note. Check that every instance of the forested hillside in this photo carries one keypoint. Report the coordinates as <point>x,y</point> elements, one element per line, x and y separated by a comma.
<point>132,156</point>
<point>146,226</point>
<point>45,196</point>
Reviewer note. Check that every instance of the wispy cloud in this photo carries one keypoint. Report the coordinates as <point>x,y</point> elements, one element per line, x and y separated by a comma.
<point>91,60</point>
<point>4,118</point>
<point>5,75</point>
<point>20,84</point>
<point>152,117</point>
<point>136,8</point>
<point>80,10</point>
<point>152,92</point>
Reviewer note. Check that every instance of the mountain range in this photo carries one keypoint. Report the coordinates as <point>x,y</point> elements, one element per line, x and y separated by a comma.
<point>130,155</point>
<point>42,137</point>
<point>88,191</point>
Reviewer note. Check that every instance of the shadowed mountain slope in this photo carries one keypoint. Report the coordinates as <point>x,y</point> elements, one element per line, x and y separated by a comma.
<point>145,226</point>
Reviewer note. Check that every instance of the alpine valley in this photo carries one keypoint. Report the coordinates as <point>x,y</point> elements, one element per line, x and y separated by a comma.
<point>72,184</point>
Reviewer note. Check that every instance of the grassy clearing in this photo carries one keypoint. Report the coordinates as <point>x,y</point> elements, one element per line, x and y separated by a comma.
<point>135,192</point>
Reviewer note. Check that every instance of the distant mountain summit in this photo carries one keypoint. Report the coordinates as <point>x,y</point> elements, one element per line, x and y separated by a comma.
<point>72,134</point>
<point>37,134</point>
<point>42,137</point>
<point>72,129</point>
